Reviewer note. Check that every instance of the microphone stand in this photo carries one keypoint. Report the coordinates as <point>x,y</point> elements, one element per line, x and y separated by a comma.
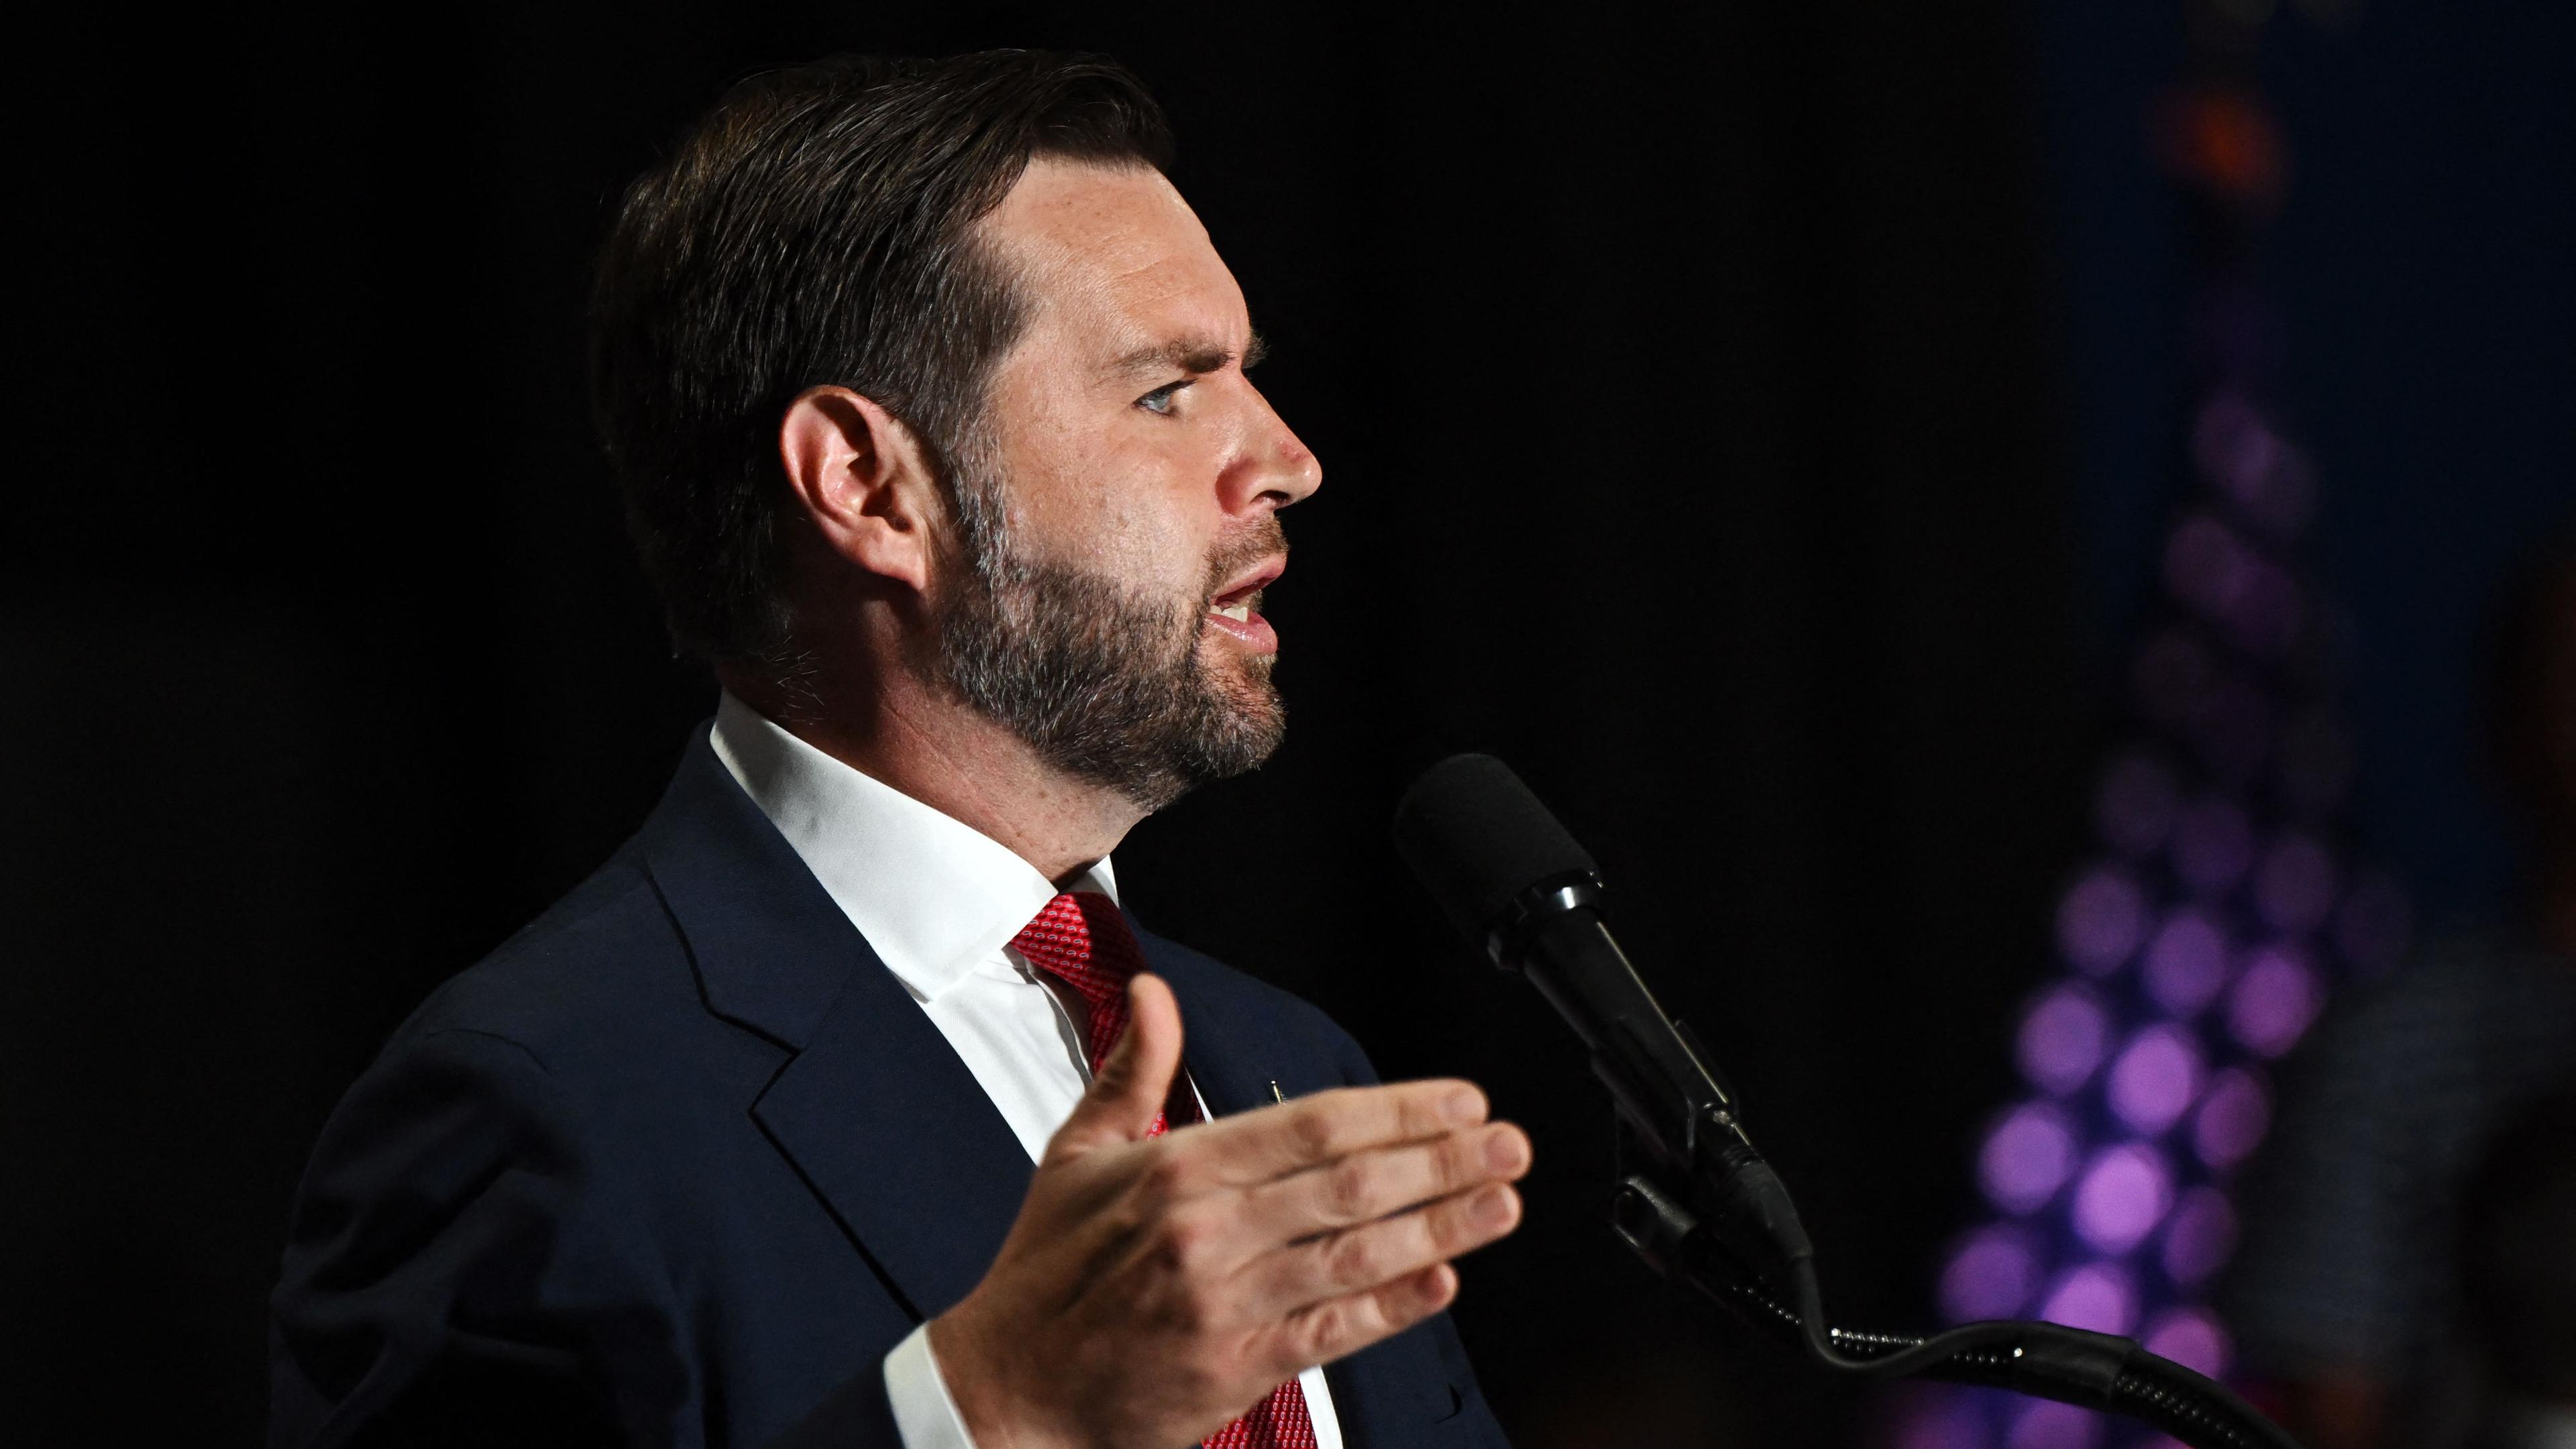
<point>1703,1208</point>
<point>2043,1360</point>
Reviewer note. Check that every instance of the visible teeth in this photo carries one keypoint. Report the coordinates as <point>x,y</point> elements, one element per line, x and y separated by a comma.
<point>1239,613</point>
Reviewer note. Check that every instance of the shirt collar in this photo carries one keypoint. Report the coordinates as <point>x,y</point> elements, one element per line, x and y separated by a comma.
<point>933,895</point>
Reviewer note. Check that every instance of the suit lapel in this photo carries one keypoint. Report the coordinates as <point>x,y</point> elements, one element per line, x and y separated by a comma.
<point>874,1110</point>
<point>1233,1049</point>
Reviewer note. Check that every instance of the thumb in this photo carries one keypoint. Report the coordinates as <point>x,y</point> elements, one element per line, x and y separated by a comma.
<point>1133,1083</point>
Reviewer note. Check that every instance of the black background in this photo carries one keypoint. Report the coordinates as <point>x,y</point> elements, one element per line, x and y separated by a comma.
<point>1691,439</point>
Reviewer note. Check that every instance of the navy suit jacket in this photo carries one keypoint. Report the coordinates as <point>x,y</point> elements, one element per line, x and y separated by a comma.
<point>680,1162</point>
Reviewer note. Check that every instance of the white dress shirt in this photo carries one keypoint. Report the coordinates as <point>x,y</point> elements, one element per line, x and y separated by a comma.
<point>939,901</point>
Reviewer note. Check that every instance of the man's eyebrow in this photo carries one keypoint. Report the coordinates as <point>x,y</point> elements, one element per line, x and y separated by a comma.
<point>1187,354</point>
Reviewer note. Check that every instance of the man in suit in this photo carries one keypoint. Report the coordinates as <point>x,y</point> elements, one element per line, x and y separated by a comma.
<point>844,1105</point>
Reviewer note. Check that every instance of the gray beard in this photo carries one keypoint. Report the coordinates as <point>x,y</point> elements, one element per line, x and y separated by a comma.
<point>1105,682</point>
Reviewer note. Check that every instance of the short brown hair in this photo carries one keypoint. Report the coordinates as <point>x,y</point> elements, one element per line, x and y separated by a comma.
<point>817,227</point>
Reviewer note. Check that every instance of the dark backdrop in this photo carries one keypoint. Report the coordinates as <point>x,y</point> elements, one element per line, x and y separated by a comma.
<point>1682,394</point>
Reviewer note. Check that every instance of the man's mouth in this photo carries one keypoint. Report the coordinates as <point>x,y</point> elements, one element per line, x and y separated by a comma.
<point>1237,610</point>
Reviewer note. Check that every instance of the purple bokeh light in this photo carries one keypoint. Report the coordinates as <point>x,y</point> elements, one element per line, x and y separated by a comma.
<point>2213,843</point>
<point>2234,1114</point>
<point>1991,1274</point>
<point>2063,1038</point>
<point>2155,1078</point>
<point>2101,920</point>
<point>2240,454</point>
<point>2268,611</point>
<point>2199,1236</point>
<point>2190,1337</point>
<point>2098,1296</point>
<point>2124,1192</point>
<point>2186,963</point>
<point>2274,1001</point>
<point>1931,1419</point>
<point>2295,886</point>
<point>2206,566</point>
<point>2048,1424</point>
<point>2028,1157</point>
<point>2135,807</point>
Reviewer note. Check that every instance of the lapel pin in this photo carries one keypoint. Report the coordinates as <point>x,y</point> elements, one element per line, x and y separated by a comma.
<point>1276,1095</point>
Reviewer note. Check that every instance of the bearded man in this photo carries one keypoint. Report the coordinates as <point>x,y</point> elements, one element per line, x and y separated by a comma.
<point>840,1106</point>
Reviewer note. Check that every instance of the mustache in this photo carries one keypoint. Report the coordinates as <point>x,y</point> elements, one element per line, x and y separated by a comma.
<point>1241,549</point>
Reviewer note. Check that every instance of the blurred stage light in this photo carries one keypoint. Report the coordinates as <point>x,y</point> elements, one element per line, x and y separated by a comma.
<point>2233,1116</point>
<point>2186,964</point>
<point>2125,1191</point>
<point>1992,1273</point>
<point>2027,1157</point>
<point>2213,846</point>
<point>2095,1295</point>
<point>2155,1079</point>
<point>2200,1235</point>
<point>2273,1002</point>
<point>2063,1038</point>
<point>2101,921</point>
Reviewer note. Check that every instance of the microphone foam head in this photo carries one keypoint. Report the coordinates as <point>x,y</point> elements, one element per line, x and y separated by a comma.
<point>1476,838</point>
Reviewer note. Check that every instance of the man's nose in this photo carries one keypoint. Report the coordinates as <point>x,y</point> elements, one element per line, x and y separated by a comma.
<point>1274,468</point>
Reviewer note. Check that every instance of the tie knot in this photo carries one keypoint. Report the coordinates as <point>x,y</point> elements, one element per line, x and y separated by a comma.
<point>1080,937</point>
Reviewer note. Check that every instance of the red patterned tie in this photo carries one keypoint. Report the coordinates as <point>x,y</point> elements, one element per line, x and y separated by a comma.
<point>1083,940</point>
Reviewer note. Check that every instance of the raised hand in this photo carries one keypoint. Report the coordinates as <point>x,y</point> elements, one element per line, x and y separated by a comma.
<point>1154,1288</point>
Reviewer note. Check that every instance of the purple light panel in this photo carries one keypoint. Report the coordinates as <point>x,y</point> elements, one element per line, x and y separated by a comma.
<point>2063,1038</point>
<point>1937,1420</point>
<point>2274,1001</point>
<point>2234,1114</point>
<point>2190,1337</point>
<point>1991,1274</point>
<point>2098,1296</point>
<point>2186,963</point>
<point>2155,1078</point>
<point>2027,1158</point>
<point>2125,1191</point>
<point>2240,454</point>
<point>2101,920</point>
<point>2213,844</point>
<point>2048,1424</point>
<point>2199,1236</point>
<point>2206,566</point>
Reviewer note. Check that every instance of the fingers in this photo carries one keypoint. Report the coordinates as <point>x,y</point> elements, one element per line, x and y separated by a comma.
<point>1252,1147</point>
<point>1338,1327</point>
<point>1368,1185</point>
<point>1133,1083</point>
<point>1367,1257</point>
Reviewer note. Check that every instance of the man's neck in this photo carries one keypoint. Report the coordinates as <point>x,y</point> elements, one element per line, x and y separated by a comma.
<point>955,761</point>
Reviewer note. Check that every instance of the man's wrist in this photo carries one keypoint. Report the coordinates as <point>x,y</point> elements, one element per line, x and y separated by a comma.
<point>926,1414</point>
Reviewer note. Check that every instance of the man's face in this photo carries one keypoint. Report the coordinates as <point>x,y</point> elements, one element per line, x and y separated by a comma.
<point>1119,499</point>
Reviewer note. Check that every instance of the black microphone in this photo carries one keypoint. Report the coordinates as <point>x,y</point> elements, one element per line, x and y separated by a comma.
<point>1716,1217</point>
<point>1511,877</point>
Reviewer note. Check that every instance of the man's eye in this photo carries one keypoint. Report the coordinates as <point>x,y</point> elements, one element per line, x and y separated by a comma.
<point>1159,401</point>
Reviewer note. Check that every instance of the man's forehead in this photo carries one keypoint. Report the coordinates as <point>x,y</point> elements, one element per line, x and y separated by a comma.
<point>1117,254</point>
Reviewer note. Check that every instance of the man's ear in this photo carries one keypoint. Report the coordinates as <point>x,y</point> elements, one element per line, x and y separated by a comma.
<point>864,481</point>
